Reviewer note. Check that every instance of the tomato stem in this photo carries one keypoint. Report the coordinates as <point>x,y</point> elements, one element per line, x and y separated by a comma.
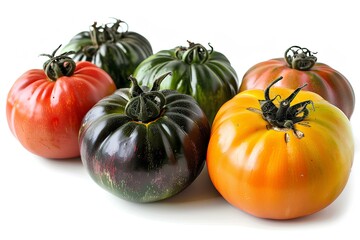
<point>195,53</point>
<point>145,106</point>
<point>300,58</point>
<point>285,116</point>
<point>115,26</point>
<point>58,66</point>
<point>103,34</point>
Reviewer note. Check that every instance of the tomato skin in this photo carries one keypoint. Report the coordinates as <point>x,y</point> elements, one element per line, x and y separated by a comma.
<point>206,75</point>
<point>144,162</point>
<point>118,53</point>
<point>255,170</point>
<point>321,79</point>
<point>45,115</point>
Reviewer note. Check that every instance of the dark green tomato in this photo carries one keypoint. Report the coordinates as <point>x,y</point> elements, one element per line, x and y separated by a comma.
<point>144,161</point>
<point>203,74</point>
<point>118,53</point>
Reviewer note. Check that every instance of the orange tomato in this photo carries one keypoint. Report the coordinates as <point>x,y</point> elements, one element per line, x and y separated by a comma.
<point>279,172</point>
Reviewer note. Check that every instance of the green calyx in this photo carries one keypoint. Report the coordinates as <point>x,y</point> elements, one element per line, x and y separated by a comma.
<point>58,66</point>
<point>104,34</point>
<point>284,117</point>
<point>300,58</point>
<point>145,106</point>
<point>195,53</point>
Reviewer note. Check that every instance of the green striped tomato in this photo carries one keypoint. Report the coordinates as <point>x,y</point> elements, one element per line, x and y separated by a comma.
<point>204,74</point>
<point>117,52</point>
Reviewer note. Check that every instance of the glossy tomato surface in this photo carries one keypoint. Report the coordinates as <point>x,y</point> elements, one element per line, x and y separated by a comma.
<point>45,115</point>
<point>280,173</point>
<point>111,47</point>
<point>206,75</point>
<point>320,78</point>
<point>144,160</point>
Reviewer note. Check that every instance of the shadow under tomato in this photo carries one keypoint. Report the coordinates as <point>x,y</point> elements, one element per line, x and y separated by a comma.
<point>203,194</point>
<point>200,203</point>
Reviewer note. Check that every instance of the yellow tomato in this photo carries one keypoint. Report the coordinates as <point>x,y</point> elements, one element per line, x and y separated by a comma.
<point>280,172</point>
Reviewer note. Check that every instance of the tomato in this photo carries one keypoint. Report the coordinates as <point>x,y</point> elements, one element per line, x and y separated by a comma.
<point>280,160</point>
<point>115,51</point>
<point>299,67</point>
<point>204,74</point>
<point>45,108</point>
<point>144,145</point>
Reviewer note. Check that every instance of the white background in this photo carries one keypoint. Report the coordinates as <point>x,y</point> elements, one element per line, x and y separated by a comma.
<point>49,199</point>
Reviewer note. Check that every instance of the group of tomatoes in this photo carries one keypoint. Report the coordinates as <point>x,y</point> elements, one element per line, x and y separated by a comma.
<point>278,144</point>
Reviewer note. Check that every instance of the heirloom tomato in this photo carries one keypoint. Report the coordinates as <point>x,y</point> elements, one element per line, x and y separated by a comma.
<point>280,160</point>
<point>118,52</point>
<point>298,67</point>
<point>203,74</point>
<point>45,108</point>
<point>144,145</point>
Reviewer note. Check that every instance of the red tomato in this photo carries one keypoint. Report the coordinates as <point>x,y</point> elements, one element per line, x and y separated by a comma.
<point>45,107</point>
<point>300,67</point>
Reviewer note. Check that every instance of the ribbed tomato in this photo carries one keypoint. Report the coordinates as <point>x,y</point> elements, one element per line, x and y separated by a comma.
<point>144,144</point>
<point>116,51</point>
<point>299,67</point>
<point>206,75</point>
<point>280,161</point>
<point>45,108</point>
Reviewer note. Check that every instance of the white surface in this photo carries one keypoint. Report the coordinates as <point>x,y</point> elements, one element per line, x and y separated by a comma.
<point>47,199</point>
